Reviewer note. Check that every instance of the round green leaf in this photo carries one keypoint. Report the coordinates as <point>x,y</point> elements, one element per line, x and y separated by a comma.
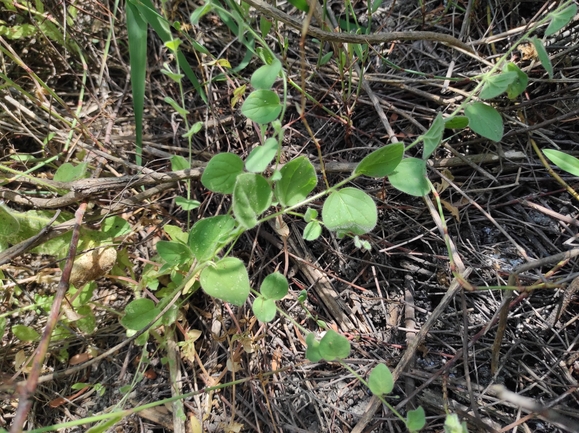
<point>312,231</point>
<point>87,322</point>
<point>227,280</point>
<point>174,253</point>
<point>560,19</point>
<point>68,172</point>
<point>313,348</point>
<point>209,234</point>
<point>415,420</point>
<point>187,204</point>
<point>251,196</point>
<point>264,309</point>
<point>274,286</point>
<point>221,172</point>
<point>381,162</point>
<point>179,163</point>
<point>519,85</point>
<point>265,76</point>
<point>497,84</point>
<point>484,120</point>
<point>456,122</point>
<point>262,106</point>
<point>410,177</point>
<point>114,227</point>
<point>334,346</point>
<point>139,313</point>
<point>565,162</point>
<point>25,333</point>
<point>311,214</point>
<point>380,380</point>
<point>297,181</point>
<point>350,210</point>
<point>9,225</point>
<point>261,156</point>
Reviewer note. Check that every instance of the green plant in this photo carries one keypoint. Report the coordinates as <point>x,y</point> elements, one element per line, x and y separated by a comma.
<point>200,256</point>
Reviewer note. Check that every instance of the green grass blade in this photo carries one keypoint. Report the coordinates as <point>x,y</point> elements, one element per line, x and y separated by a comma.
<point>137,32</point>
<point>161,27</point>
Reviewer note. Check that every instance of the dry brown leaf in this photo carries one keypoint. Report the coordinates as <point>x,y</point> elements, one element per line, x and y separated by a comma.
<point>79,358</point>
<point>452,209</point>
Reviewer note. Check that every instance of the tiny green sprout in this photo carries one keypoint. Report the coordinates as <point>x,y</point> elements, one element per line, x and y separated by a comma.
<point>453,425</point>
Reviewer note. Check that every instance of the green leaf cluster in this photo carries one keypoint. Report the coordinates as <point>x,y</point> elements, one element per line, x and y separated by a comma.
<point>331,347</point>
<point>273,288</point>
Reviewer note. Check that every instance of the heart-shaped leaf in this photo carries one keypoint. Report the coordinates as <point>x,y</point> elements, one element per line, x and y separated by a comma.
<point>68,172</point>
<point>265,76</point>
<point>334,346</point>
<point>349,211</point>
<point>380,380</point>
<point>139,313</point>
<point>381,162</point>
<point>174,253</point>
<point>561,19</point>
<point>261,156</point>
<point>313,348</point>
<point>519,85</point>
<point>484,120</point>
<point>274,286</point>
<point>264,309</point>
<point>415,420</point>
<point>298,179</point>
<point>312,231</point>
<point>227,280</point>
<point>221,172</point>
<point>208,236</point>
<point>262,106</point>
<point>410,177</point>
<point>251,197</point>
<point>497,84</point>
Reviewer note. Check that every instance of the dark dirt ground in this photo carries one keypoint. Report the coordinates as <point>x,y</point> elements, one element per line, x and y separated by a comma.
<point>385,296</point>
